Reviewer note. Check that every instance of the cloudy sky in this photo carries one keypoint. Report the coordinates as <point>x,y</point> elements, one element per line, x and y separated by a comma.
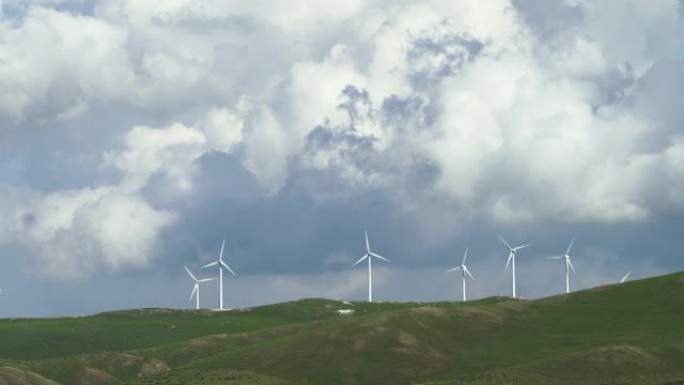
<point>135,135</point>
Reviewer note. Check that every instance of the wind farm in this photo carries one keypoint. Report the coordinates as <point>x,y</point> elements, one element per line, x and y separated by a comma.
<point>631,331</point>
<point>369,255</point>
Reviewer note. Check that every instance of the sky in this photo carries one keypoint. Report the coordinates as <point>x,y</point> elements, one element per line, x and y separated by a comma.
<point>135,136</point>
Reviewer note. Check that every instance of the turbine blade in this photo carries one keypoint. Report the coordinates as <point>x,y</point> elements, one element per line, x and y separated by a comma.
<point>453,269</point>
<point>210,264</point>
<point>360,259</point>
<point>367,243</point>
<point>206,280</point>
<point>555,257</point>
<point>465,255</point>
<point>521,247</point>
<point>228,268</point>
<point>625,277</point>
<point>377,256</point>
<point>570,264</point>
<point>221,252</point>
<point>570,246</point>
<point>468,272</point>
<point>504,242</point>
<point>510,256</point>
<point>191,276</point>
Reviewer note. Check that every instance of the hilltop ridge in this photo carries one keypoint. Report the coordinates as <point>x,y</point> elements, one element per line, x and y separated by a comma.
<point>625,333</point>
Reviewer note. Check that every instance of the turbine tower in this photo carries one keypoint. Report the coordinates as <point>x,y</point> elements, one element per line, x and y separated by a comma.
<point>195,289</point>
<point>221,265</point>
<point>464,271</point>
<point>568,265</point>
<point>511,258</point>
<point>369,255</point>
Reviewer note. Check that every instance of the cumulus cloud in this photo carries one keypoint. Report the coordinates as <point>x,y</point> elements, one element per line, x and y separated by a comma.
<point>78,231</point>
<point>491,110</point>
<point>171,150</point>
<point>56,63</point>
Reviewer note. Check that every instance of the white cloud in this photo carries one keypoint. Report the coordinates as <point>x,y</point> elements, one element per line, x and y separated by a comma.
<point>75,232</point>
<point>517,132</point>
<point>507,126</point>
<point>223,129</point>
<point>583,58</point>
<point>266,149</point>
<point>171,150</point>
<point>632,33</point>
<point>317,87</point>
<point>126,229</point>
<point>53,62</point>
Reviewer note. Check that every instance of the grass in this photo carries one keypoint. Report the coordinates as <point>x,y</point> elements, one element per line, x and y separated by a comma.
<point>628,333</point>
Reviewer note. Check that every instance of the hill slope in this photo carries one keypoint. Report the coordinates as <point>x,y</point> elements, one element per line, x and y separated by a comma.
<point>628,333</point>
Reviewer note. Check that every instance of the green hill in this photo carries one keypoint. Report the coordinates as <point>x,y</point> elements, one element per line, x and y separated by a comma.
<point>630,333</point>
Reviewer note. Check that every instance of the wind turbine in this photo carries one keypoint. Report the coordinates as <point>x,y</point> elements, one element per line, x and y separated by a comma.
<point>369,255</point>
<point>625,277</point>
<point>511,258</point>
<point>568,265</point>
<point>195,289</point>
<point>221,265</point>
<point>464,271</point>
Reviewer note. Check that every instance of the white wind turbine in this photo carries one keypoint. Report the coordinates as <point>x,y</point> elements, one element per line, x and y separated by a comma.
<point>625,277</point>
<point>369,255</point>
<point>196,288</point>
<point>511,258</point>
<point>221,265</point>
<point>568,265</point>
<point>464,271</point>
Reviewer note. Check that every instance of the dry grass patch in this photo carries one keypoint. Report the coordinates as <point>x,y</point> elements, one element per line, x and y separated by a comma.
<point>437,312</point>
<point>89,376</point>
<point>482,318</point>
<point>14,376</point>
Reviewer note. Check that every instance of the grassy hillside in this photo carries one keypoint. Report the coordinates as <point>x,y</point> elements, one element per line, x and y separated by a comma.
<point>628,333</point>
